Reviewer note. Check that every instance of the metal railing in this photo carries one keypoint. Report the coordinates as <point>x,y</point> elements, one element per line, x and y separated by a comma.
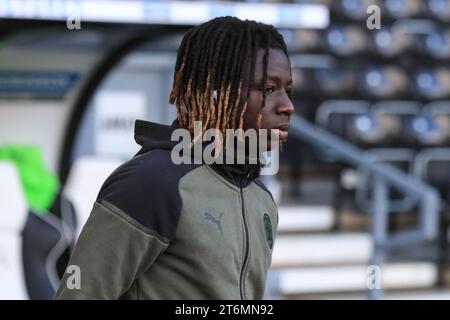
<point>384,176</point>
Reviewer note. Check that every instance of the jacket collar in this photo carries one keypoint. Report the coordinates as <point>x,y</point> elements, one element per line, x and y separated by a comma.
<point>151,135</point>
<point>241,175</point>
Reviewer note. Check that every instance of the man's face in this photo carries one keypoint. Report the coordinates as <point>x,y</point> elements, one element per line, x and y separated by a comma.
<point>278,106</point>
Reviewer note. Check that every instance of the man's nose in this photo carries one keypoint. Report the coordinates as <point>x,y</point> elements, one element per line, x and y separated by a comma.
<point>286,106</point>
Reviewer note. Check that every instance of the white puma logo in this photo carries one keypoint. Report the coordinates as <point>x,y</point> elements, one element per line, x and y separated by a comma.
<point>209,217</point>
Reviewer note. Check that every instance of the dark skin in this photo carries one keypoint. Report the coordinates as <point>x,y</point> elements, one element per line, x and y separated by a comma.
<point>278,106</point>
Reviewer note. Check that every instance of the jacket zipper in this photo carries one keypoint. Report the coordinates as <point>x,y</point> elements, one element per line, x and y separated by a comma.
<point>247,242</point>
<point>241,278</point>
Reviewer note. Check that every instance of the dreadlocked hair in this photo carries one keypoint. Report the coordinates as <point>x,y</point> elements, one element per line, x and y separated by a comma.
<point>220,55</point>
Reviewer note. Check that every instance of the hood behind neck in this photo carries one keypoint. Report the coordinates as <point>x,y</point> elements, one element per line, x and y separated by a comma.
<point>152,135</point>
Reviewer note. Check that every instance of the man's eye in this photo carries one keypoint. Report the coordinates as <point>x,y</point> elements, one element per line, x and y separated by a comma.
<point>269,90</point>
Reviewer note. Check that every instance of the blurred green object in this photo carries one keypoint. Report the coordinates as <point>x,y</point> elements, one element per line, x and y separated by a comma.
<point>40,185</point>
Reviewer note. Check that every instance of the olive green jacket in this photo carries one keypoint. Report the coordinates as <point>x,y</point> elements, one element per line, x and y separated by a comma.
<point>163,231</point>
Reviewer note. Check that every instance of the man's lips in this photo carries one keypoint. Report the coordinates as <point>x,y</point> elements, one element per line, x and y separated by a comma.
<point>283,131</point>
<point>283,135</point>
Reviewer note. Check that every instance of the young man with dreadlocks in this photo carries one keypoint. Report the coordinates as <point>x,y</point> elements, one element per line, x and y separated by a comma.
<point>160,230</point>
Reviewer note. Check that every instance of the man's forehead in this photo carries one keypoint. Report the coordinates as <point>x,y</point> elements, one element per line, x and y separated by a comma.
<point>274,54</point>
<point>278,67</point>
<point>276,78</point>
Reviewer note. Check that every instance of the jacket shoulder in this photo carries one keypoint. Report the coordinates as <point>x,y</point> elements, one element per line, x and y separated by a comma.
<point>145,188</point>
<point>260,184</point>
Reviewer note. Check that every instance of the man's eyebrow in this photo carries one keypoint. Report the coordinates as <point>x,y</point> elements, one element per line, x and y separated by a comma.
<point>273,78</point>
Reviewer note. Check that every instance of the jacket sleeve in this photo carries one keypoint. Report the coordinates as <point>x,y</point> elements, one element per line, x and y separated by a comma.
<point>111,251</point>
<point>132,222</point>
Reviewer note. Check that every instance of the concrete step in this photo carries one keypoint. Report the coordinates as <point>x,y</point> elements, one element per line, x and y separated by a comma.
<point>352,278</point>
<point>321,249</point>
<point>305,218</point>
<point>408,294</point>
<point>419,295</point>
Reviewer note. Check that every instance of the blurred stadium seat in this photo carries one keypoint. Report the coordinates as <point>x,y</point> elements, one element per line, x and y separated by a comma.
<point>390,42</point>
<point>383,82</point>
<point>353,9</point>
<point>433,83</point>
<point>399,9</point>
<point>438,124</point>
<point>335,115</point>
<point>346,40</point>
<point>353,120</point>
<point>437,44</point>
<point>439,9</point>
<point>333,82</point>
<point>307,41</point>
<point>45,239</point>
<point>433,165</point>
<point>396,119</point>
